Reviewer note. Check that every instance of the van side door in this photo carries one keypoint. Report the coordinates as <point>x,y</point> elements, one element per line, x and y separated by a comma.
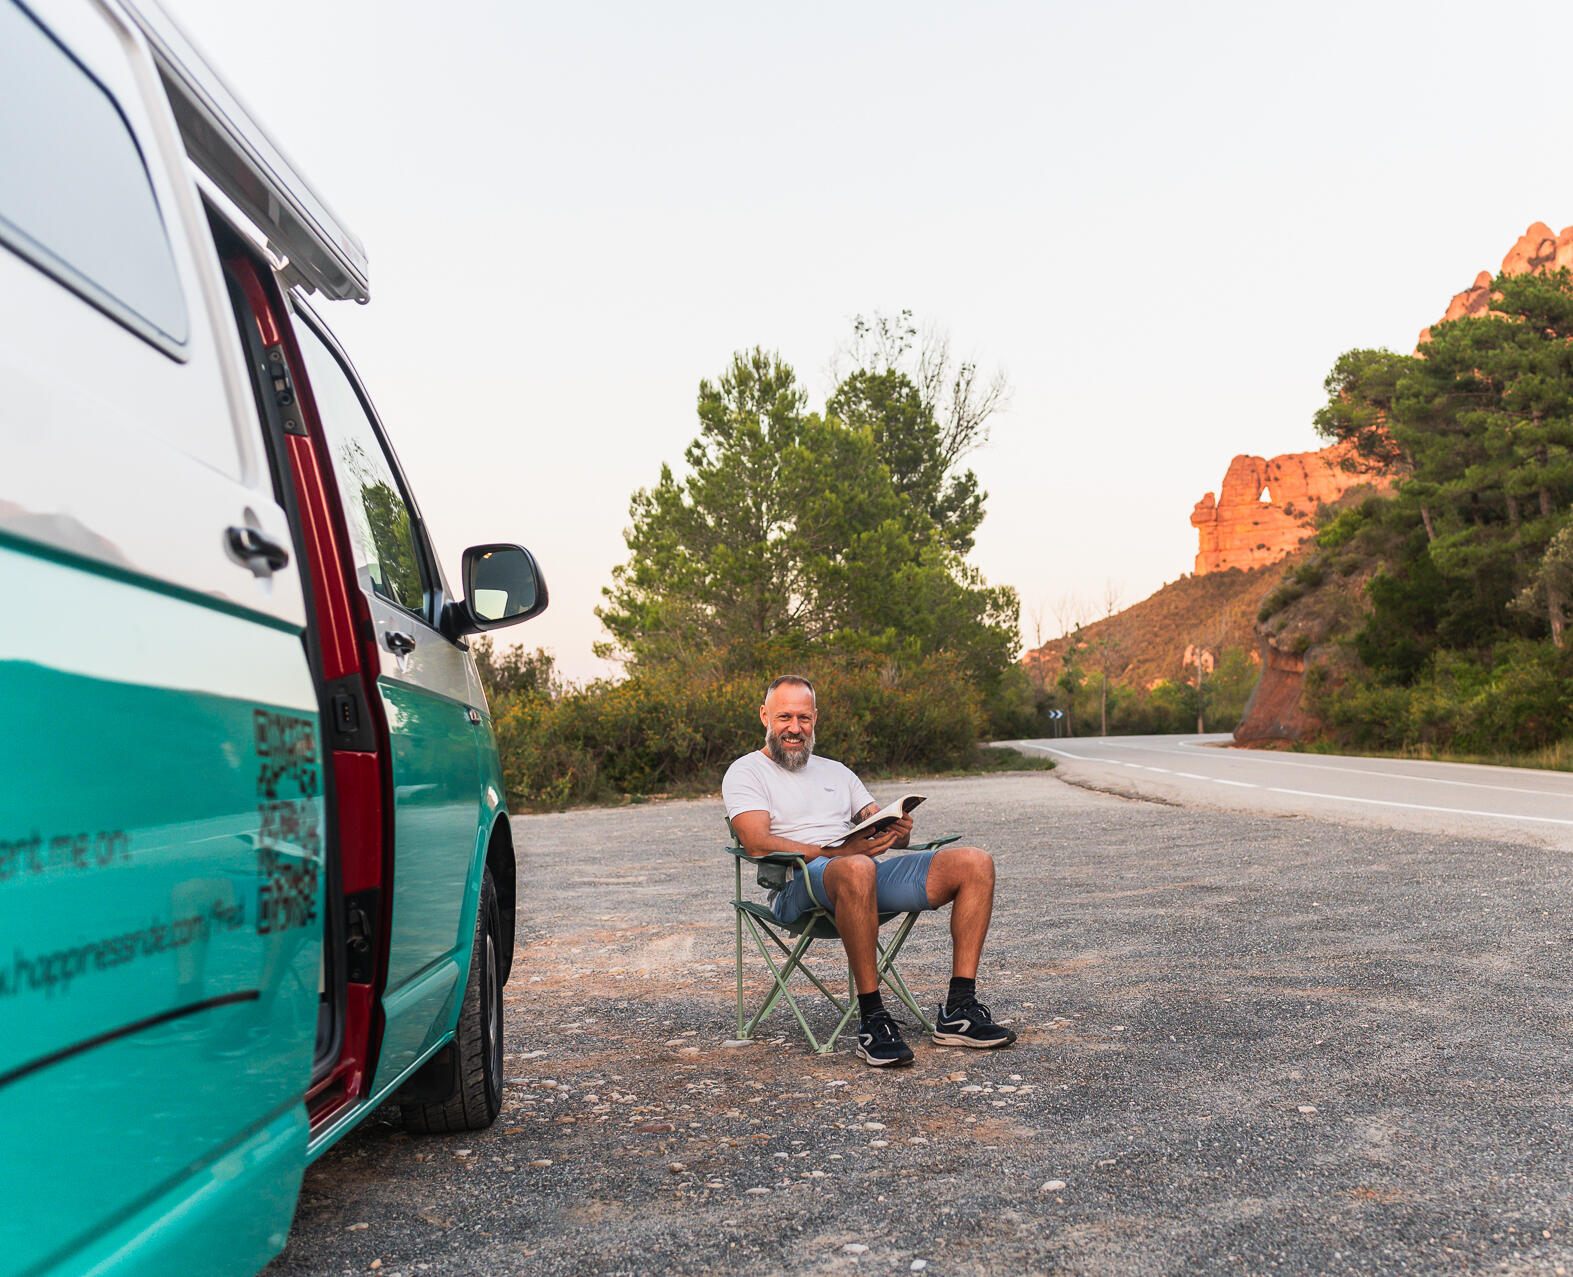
<point>428,703</point>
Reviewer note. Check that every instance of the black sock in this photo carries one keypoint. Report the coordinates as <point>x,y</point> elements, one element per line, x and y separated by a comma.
<point>960,991</point>
<point>869,1004</point>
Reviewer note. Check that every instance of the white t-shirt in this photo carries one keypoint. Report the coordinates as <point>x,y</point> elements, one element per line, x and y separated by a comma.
<point>816,805</point>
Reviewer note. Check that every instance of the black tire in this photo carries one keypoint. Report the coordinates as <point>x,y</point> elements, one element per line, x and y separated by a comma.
<point>478,1040</point>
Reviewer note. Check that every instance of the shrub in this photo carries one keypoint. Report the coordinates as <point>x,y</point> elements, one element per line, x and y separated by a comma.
<point>667,726</point>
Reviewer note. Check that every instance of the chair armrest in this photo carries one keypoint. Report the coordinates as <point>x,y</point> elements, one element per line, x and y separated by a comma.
<point>935,844</point>
<point>769,858</point>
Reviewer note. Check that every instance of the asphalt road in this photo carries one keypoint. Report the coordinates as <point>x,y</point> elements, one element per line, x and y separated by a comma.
<point>1249,1043</point>
<point>1197,771</point>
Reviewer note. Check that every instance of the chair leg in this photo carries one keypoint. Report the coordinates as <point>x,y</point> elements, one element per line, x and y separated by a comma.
<point>737,894</point>
<point>739,914</point>
<point>804,968</point>
<point>781,974</point>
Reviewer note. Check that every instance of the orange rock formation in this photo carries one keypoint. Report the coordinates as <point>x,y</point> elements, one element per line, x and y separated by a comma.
<point>1538,248</point>
<point>1265,508</point>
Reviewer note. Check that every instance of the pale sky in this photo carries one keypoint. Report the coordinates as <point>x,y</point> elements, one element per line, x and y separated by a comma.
<point>1164,221</point>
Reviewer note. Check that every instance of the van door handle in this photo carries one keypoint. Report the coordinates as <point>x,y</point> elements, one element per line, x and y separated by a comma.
<point>258,551</point>
<point>399,643</point>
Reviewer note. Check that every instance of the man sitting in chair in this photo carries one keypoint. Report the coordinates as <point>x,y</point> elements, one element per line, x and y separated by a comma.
<point>783,799</point>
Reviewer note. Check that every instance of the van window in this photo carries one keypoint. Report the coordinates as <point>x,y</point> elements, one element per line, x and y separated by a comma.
<point>75,197</point>
<point>383,533</point>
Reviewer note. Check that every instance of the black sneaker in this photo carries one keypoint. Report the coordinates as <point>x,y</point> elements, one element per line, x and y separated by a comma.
<point>879,1041</point>
<point>970,1024</point>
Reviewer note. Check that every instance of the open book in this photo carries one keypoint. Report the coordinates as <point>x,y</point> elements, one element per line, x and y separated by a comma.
<point>883,819</point>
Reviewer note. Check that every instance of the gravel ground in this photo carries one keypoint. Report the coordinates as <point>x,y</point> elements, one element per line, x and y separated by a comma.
<point>1248,1044</point>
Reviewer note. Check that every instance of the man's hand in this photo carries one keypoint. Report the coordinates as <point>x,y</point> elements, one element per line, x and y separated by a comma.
<point>894,835</point>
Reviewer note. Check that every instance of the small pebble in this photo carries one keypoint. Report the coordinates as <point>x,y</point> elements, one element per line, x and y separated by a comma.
<point>918,1265</point>
<point>738,1042</point>
<point>462,1152</point>
<point>541,1162</point>
<point>854,1248</point>
<point>757,1192</point>
<point>955,1077</point>
<point>873,1126</point>
<point>973,1087</point>
<point>1052,1186</point>
<point>677,1168</point>
<point>879,1143</point>
<point>357,1228</point>
<point>1307,1108</point>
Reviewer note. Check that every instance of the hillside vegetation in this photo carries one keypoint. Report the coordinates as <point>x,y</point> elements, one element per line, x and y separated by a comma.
<point>1436,619</point>
<point>1129,671</point>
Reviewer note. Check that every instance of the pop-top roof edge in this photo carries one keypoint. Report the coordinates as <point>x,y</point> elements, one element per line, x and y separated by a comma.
<point>227,143</point>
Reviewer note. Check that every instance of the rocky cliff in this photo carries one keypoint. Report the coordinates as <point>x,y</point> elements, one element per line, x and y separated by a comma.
<point>1538,248</point>
<point>1266,506</point>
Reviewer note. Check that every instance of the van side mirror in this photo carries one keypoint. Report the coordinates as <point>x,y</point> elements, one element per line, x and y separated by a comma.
<point>502,586</point>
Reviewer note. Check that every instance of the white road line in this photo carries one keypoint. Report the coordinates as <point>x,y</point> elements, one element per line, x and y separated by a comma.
<point>1429,780</point>
<point>1354,768</point>
<point>1218,780</point>
<point>1451,811</point>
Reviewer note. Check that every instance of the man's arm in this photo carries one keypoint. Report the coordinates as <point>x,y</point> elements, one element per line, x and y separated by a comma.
<point>753,831</point>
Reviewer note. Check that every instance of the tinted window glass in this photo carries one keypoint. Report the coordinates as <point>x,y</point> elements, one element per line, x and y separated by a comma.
<point>75,198</point>
<point>380,526</point>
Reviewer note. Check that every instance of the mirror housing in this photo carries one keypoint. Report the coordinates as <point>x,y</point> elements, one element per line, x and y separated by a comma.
<point>503,585</point>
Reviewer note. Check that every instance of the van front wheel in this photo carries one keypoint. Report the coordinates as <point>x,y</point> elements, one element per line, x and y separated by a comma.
<point>477,1043</point>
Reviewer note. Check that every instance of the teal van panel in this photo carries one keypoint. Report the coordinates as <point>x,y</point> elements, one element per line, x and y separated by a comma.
<point>228,1228</point>
<point>161,868</point>
<point>437,816</point>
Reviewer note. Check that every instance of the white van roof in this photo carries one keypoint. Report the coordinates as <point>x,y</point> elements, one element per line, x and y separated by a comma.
<point>225,141</point>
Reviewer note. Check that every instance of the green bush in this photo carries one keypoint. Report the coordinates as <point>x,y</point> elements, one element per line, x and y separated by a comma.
<point>1516,703</point>
<point>668,727</point>
<point>1280,598</point>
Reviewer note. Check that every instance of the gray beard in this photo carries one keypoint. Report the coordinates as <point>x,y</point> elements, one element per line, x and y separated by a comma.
<point>792,762</point>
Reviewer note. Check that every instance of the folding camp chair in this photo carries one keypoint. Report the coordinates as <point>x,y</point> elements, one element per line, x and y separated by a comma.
<point>816,924</point>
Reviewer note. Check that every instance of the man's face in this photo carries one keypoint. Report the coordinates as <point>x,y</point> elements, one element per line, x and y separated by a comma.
<point>789,716</point>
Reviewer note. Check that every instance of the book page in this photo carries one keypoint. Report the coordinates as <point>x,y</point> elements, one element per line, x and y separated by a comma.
<point>883,819</point>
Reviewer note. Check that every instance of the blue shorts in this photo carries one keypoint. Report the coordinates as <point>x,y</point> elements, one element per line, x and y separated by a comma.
<point>901,881</point>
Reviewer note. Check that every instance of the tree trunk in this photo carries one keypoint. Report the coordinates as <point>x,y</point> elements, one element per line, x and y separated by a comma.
<point>1201,726</point>
<point>1554,605</point>
<point>1425,518</point>
<point>1103,706</point>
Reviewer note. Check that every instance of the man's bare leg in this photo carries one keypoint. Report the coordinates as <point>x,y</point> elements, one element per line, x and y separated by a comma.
<point>849,882</point>
<point>964,878</point>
